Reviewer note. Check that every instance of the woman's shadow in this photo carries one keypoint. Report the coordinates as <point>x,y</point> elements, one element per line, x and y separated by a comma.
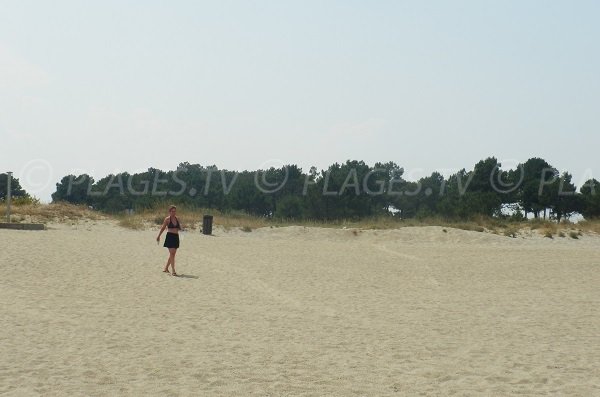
<point>187,276</point>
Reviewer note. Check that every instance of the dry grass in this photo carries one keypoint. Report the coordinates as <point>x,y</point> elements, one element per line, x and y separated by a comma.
<point>56,212</point>
<point>512,232</point>
<point>548,228</point>
<point>548,231</point>
<point>548,234</point>
<point>590,226</point>
<point>235,219</point>
<point>132,222</point>
<point>191,218</point>
<point>470,227</point>
<point>150,219</point>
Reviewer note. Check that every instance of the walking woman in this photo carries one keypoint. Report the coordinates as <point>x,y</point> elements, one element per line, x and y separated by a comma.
<point>171,223</point>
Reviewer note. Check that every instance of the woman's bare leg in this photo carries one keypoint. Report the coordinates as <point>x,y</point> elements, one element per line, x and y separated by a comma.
<point>172,252</point>
<point>166,269</point>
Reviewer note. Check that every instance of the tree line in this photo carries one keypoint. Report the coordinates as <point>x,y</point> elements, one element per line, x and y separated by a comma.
<point>351,190</point>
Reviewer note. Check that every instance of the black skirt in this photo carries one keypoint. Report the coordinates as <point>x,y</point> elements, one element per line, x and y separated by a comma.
<point>171,240</point>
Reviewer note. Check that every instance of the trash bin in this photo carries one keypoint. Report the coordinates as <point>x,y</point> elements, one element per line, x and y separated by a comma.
<point>207,224</point>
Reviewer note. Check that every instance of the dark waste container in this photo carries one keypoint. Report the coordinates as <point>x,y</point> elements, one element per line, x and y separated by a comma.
<point>207,224</point>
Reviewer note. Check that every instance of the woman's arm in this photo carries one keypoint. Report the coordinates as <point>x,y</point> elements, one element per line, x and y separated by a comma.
<point>162,229</point>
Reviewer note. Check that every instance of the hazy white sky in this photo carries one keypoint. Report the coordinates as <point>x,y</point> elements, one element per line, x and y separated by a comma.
<point>109,86</point>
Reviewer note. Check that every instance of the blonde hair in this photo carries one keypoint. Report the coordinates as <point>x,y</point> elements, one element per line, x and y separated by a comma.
<point>172,207</point>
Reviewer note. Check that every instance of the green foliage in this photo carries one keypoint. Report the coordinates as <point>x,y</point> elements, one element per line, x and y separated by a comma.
<point>73,189</point>
<point>290,207</point>
<point>517,216</point>
<point>349,191</point>
<point>16,190</point>
<point>26,200</point>
<point>590,199</point>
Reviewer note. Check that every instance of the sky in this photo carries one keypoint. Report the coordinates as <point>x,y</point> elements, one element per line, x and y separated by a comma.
<point>101,87</point>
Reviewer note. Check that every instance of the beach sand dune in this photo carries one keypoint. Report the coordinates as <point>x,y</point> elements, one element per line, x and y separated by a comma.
<point>295,311</point>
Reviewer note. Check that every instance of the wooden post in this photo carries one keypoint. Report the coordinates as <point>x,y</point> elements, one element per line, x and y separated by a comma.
<point>8,180</point>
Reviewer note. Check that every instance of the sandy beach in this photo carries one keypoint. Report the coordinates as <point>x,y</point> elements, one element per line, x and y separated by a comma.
<point>87,311</point>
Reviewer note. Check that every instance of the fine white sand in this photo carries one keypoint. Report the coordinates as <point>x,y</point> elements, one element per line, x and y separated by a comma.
<point>86,310</point>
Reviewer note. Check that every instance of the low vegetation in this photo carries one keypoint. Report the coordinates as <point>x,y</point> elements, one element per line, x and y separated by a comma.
<point>34,212</point>
<point>574,235</point>
<point>191,218</point>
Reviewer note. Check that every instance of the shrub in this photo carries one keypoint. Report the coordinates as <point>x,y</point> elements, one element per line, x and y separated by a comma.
<point>574,235</point>
<point>510,232</point>
<point>26,200</point>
